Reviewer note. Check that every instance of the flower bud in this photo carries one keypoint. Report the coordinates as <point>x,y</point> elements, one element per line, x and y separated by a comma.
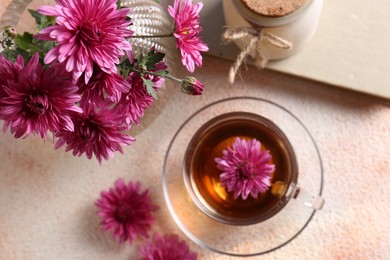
<point>192,86</point>
<point>10,32</point>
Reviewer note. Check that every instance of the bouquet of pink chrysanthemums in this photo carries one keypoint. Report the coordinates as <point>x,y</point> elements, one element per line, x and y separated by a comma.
<point>77,76</point>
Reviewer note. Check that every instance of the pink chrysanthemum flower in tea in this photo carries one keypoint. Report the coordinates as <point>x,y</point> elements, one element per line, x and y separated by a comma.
<point>126,211</point>
<point>186,32</point>
<point>96,132</point>
<point>36,100</point>
<point>246,168</point>
<point>166,247</point>
<point>86,32</point>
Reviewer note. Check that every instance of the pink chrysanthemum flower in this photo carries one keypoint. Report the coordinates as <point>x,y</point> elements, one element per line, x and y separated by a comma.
<point>246,168</point>
<point>37,100</point>
<point>134,103</point>
<point>167,247</point>
<point>102,85</point>
<point>96,132</point>
<point>186,32</point>
<point>87,32</point>
<point>126,211</point>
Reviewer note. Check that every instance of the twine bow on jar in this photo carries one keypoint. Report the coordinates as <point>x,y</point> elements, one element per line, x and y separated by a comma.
<point>255,35</point>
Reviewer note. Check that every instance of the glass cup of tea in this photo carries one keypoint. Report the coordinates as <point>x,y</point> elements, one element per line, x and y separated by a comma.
<point>207,212</point>
<point>202,177</point>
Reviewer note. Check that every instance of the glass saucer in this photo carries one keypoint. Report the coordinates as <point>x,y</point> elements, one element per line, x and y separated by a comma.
<point>246,240</point>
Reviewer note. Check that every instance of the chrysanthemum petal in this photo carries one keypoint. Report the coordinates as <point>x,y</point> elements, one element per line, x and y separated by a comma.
<point>48,10</point>
<point>51,55</point>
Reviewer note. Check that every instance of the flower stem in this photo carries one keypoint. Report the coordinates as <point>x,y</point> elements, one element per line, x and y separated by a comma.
<point>166,76</point>
<point>173,78</point>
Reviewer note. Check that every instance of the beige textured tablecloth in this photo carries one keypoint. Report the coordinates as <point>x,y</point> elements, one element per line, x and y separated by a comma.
<point>47,197</point>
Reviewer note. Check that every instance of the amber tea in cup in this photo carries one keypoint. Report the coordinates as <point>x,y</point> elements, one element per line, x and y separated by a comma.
<point>201,175</point>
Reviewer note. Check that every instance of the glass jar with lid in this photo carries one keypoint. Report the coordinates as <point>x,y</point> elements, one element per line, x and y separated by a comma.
<point>294,21</point>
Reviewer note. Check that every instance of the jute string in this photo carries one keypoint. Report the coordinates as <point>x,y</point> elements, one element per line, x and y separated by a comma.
<point>256,35</point>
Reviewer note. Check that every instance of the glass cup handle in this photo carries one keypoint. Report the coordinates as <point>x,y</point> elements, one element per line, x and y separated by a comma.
<point>309,199</point>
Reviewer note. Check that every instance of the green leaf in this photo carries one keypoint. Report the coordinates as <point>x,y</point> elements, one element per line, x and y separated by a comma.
<point>26,37</point>
<point>13,54</point>
<point>37,16</point>
<point>25,43</point>
<point>142,61</point>
<point>10,54</point>
<point>156,57</point>
<point>45,46</point>
<point>125,67</point>
<point>26,56</point>
<point>163,72</point>
<point>149,88</point>
<point>41,20</point>
<point>153,58</point>
<point>44,21</point>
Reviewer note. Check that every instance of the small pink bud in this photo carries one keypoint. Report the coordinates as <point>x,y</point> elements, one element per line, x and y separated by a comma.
<point>192,86</point>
